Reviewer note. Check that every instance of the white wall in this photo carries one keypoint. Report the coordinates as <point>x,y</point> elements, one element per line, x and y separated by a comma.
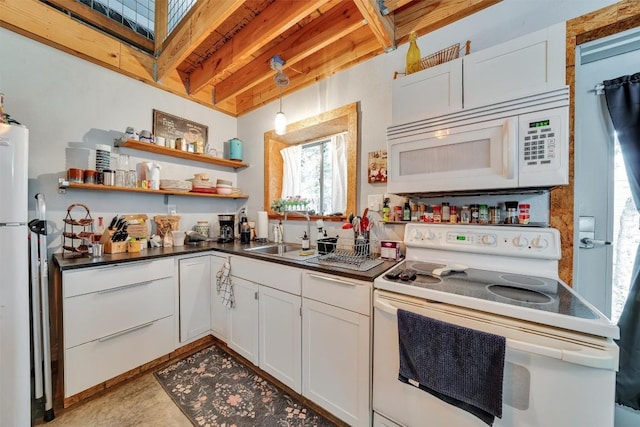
<point>71,103</point>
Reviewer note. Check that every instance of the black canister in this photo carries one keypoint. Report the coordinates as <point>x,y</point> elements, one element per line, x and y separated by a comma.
<point>245,231</point>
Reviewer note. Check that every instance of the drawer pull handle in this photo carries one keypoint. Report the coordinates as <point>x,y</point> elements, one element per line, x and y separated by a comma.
<point>122,288</point>
<point>126,331</point>
<point>332,279</point>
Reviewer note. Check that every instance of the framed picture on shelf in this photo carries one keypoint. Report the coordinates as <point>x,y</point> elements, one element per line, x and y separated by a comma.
<point>193,135</point>
<point>377,166</point>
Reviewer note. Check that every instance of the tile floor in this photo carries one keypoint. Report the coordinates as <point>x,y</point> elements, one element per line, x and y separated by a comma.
<point>141,402</point>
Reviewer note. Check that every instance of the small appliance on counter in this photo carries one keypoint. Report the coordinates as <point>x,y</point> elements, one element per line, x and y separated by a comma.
<point>227,224</point>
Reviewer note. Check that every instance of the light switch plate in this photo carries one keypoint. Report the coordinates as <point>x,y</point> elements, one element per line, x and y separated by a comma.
<point>375,202</point>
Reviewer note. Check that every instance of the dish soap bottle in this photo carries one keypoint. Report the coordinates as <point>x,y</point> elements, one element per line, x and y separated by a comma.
<point>305,242</point>
<point>413,55</point>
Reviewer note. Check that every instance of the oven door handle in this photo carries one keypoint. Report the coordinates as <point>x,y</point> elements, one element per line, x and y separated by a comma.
<point>585,357</point>
<point>387,308</point>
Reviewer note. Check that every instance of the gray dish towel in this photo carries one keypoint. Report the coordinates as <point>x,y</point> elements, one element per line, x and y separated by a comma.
<point>458,365</point>
<point>224,286</point>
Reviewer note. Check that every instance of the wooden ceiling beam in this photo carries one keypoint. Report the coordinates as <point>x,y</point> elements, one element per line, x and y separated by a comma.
<point>200,22</point>
<point>391,6</point>
<point>271,23</point>
<point>344,53</point>
<point>334,25</point>
<point>425,17</point>
<point>381,26</point>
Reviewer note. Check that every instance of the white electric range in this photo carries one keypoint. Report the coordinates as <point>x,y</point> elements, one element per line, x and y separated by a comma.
<point>502,280</point>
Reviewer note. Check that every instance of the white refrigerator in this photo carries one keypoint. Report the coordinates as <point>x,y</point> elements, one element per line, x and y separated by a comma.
<point>15,387</point>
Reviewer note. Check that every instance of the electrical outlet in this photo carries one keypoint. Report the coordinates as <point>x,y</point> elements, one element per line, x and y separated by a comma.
<point>374,202</point>
<point>172,209</point>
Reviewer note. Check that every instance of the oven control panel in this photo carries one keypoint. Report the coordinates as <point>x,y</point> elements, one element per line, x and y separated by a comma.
<point>531,242</point>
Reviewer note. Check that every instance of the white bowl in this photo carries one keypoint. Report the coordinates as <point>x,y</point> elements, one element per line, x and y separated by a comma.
<point>224,190</point>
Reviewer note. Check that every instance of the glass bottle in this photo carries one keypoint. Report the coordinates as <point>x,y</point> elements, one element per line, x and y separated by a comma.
<point>406,212</point>
<point>445,212</point>
<point>413,54</point>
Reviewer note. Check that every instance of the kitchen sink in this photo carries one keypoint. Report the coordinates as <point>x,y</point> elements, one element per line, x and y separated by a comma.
<point>286,250</point>
<point>275,249</point>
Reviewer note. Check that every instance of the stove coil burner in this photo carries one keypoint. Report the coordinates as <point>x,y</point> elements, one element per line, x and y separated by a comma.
<point>519,294</point>
<point>519,279</point>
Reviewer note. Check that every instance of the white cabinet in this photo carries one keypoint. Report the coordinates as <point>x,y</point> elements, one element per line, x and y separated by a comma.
<point>280,336</point>
<point>527,65</point>
<point>195,297</point>
<point>116,318</point>
<point>219,312</point>
<point>243,319</point>
<point>436,90</point>
<point>265,324</point>
<point>336,346</point>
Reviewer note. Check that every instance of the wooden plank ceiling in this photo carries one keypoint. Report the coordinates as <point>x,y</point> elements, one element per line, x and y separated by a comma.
<point>219,55</point>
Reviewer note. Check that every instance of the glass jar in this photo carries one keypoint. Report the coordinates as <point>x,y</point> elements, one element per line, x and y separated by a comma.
<point>437,213</point>
<point>475,214</point>
<point>483,214</point>
<point>465,214</point>
<point>494,215</point>
<point>445,212</point>
<point>453,216</point>
<point>512,212</point>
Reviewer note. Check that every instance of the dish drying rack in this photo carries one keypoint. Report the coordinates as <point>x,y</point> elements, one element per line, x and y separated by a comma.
<point>358,254</point>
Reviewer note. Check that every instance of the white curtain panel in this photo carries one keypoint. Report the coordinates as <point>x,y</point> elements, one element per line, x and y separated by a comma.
<point>338,147</point>
<point>291,179</point>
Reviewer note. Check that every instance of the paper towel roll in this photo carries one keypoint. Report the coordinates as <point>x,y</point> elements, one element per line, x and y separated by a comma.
<point>263,225</point>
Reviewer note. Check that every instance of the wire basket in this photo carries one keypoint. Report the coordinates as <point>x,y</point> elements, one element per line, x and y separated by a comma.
<point>351,253</point>
<point>440,57</point>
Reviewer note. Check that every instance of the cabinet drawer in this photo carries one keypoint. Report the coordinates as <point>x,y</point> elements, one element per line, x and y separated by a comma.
<point>97,361</point>
<point>91,316</point>
<point>341,292</point>
<point>89,280</point>
<point>267,273</point>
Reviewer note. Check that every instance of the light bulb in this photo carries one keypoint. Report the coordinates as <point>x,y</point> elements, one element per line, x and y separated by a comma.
<point>281,123</point>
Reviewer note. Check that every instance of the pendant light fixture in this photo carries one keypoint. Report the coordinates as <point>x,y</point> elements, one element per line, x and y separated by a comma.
<point>281,80</point>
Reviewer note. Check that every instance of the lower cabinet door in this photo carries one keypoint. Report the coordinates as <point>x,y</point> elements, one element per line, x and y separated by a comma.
<point>280,336</point>
<point>97,361</point>
<point>195,297</point>
<point>336,363</point>
<point>219,312</point>
<point>243,320</point>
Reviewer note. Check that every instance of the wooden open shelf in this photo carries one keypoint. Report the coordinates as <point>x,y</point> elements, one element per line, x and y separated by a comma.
<point>172,152</point>
<point>98,187</point>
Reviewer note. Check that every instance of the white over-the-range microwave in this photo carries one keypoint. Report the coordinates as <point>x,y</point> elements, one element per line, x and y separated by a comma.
<point>517,144</point>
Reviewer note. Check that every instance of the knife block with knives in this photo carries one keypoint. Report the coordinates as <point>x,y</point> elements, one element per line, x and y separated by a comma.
<point>111,247</point>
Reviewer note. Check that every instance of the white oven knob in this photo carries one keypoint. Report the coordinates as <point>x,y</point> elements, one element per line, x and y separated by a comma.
<point>488,239</point>
<point>540,242</point>
<point>520,242</point>
<point>429,235</point>
<point>417,235</point>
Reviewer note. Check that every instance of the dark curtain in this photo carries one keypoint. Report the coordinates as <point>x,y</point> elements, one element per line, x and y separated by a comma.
<point>623,102</point>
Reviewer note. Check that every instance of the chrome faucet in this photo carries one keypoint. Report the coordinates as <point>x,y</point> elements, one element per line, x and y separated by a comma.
<point>302,214</point>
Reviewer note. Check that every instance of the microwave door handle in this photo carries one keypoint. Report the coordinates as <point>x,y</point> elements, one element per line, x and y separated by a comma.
<point>509,147</point>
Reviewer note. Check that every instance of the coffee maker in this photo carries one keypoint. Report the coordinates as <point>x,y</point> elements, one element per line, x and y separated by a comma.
<point>227,224</point>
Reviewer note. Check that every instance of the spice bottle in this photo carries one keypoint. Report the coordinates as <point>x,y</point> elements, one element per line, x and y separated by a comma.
<point>524,217</point>
<point>445,212</point>
<point>512,212</point>
<point>414,213</point>
<point>437,213</point>
<point>453,216</point>
<point>475,214</point>
<point>465,214</point>
<point>428,213</point>
<point>494,215</point>
<point>483,214</point>
<point>413,55</point>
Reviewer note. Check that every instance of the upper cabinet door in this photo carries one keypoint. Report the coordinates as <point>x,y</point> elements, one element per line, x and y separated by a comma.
<point>530,64</point>
<point>430,92</point>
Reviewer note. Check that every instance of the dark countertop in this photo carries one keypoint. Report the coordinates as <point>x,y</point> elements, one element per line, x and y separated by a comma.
<point>69,261</point>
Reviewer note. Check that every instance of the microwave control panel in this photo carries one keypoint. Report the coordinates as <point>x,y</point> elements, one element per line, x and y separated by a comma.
<point>543,148</point>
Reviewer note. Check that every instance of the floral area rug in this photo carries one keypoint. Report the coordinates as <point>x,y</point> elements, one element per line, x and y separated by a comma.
<point>214,388</point>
